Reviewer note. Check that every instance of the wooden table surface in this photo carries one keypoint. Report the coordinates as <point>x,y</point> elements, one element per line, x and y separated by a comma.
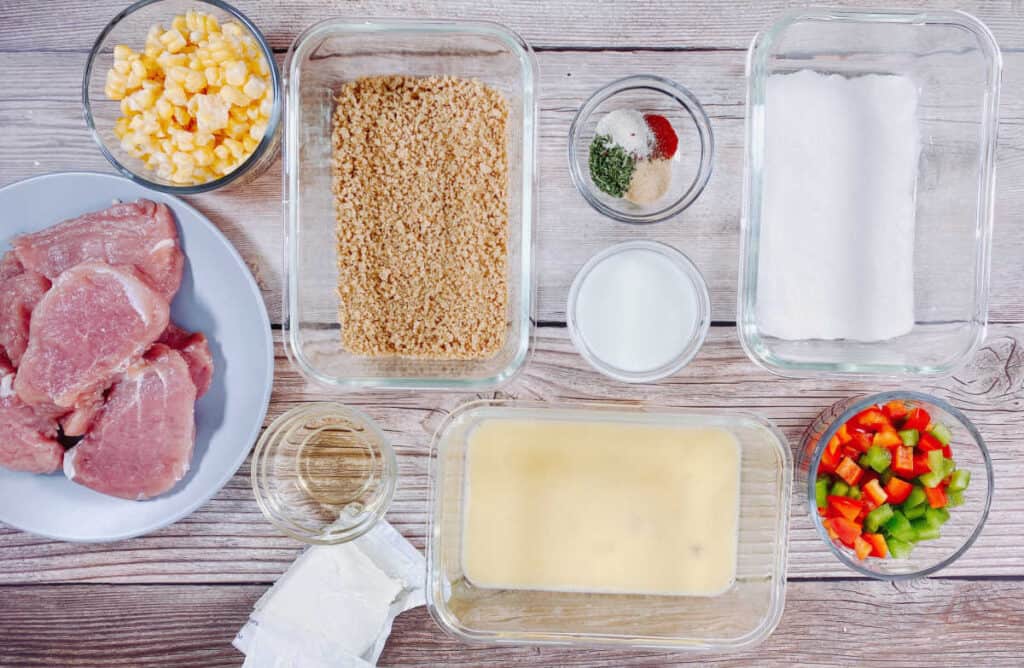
<point>178,596</point>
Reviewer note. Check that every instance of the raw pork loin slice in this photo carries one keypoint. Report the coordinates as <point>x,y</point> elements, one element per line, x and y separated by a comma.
<point>141,442</point>
<point>194,347</point>
<point>19,294</point>
<point>142,233</point>
<point>86,330</point>
<point>10,266</point>
<point>27,441</point>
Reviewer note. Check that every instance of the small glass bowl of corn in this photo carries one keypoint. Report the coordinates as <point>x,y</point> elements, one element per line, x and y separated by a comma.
<point>183,96</point>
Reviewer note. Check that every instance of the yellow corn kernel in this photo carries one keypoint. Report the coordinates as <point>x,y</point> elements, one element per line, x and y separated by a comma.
<point>233,96</point>
<point>249,144</point>
<point>179,23</point>
<point>121,127</point>
<point>115,85</point>
<point>203,138</point>
<point>175,94</point>
<point>139,70</point>
<point>195,81</point>
<point>231,28</point>
<point>181,115</point>
<point>203,156</point>
<point>257,131</point>
<point>173,40</point>
<point>235,72</point>
<point>222,152</point>
<point>254,87</point>
<point>122,67</point>
<point>239,114</point>
<point>213,76</point>
<point>235,146</point>
<point>164,108</point>
<point>122,52</point>
<point>238,129</point>
<point>261,67</point>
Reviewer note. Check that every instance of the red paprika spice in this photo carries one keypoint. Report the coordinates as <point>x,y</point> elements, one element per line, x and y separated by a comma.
<point>665,139</point>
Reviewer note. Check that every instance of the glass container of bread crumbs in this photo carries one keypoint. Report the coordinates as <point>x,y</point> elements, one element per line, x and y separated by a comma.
<point>385,290</point>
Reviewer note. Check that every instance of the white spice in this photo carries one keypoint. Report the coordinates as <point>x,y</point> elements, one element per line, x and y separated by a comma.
<point>837,220</point>
<point>628,129</point>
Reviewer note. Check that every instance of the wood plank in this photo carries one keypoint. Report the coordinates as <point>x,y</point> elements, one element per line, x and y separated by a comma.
<point>41,130</point>
<point>659,24</point>
<point>940,622</point>
<point>228,539</point>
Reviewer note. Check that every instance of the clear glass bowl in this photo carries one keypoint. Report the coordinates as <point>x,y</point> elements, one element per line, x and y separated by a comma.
<point>965,522</point>
<point>324,473</point>
<point>322,59</point>
<point>955,64</point>
<point>703,300</point>
<point>742,616</point>
<point>130,27</point>
<point>691,165</point>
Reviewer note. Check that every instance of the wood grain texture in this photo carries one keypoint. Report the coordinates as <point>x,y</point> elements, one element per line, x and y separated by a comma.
<point>940,622</point>
<point>228,540</point>
<point>41,130</point>
<point>664,24</point>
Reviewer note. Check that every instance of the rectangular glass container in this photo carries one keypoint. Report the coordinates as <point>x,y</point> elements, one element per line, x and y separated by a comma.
<point>955,65</point>
<point>322,59</point>
<point>742,616</point>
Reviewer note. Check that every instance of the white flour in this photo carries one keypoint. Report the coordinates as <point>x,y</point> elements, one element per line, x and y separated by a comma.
<point>837,229</point>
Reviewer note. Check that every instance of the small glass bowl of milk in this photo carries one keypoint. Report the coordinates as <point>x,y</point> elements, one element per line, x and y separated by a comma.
<point>639,311</point>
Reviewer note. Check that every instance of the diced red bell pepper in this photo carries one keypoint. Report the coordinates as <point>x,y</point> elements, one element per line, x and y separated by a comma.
<point>846,530</point>
<point>872,419</point>
<point>869,475</point>
<point>898,490</point>
<point>860,442</point>
<point>921,463</point>
<point>936,497</point>
<point>917,418</point>
<point>830,529</point>
<point>895,410</point>
<point>849,471</point>
<point>875,492</point>
<point>844,435</point>
<point>845,506</point>
<point>869,505</point>
<point>829,461</point>
<point>947,452</point>
<point>878,545</point>
<point>862,548</point>
<point>833,444</point>
<point>903,461</point>
<point>927,443</point>
<point>887,438</point>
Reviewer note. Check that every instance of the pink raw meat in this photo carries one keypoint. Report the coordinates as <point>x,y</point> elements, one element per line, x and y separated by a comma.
<point>27,441</point>
<point>194,347</point>
<point>141,443</point>
<point>10,266</point>
<point>19,295</point>
<point>78,421</point>
<point>142,233</point>
<point>94,321</point>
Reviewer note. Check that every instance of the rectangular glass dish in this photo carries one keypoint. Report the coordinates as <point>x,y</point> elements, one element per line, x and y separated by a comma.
<point>742,615</point>
<point>322,59</point>
<point>954,64</point>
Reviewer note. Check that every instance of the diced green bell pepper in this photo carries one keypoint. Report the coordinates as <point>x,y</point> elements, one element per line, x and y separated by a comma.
<point>924,530</point>
<point>878,517</point>
<point>916,511</point>
<point>916,498</point>
<point>886,476</point>
<point>954,498</point>
<point>948,467</point>
<point>936,462</point>
<point>854,493</point>
<point>960,480</point>
<point>821,492</point>
<point>931,480</point>
<point>879,458</point>
<point>941,433</point>
<point>839,488</point>
<point>899,549</point>
<point>936,517</point>
<point>898,526</point>
<point>910,437</point>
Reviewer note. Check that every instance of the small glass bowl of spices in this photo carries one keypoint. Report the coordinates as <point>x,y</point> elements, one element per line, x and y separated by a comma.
<point>641,149</point>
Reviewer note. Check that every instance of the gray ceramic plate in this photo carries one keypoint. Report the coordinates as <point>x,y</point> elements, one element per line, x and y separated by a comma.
<point>218,296</point>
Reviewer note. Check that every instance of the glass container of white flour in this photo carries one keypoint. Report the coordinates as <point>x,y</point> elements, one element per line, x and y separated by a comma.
<point>869,179</point>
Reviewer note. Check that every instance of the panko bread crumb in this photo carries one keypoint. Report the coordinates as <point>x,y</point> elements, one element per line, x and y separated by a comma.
<point>421,198</point>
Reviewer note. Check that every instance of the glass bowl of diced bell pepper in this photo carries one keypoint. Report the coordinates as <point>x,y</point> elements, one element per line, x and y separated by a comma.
<point>899,484</point>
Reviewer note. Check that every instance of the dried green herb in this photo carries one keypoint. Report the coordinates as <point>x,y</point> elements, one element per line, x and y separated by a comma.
<point>611,167</point>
